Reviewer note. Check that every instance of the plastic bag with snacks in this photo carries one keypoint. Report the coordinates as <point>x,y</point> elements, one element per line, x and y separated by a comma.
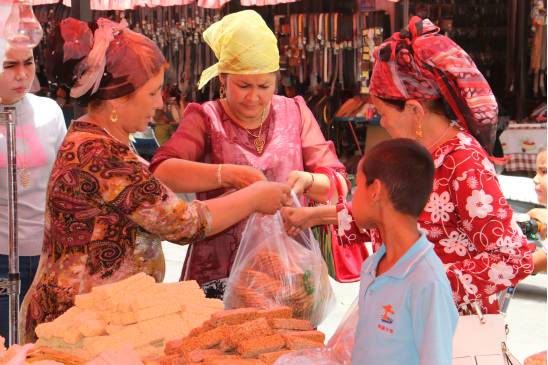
<point>272,269</point>
<point>338,350</point>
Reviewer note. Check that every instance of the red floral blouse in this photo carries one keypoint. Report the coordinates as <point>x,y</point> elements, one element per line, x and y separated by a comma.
<point>470,224</point>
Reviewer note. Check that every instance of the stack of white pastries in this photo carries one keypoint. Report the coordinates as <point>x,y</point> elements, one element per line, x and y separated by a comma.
<point>136,311</point>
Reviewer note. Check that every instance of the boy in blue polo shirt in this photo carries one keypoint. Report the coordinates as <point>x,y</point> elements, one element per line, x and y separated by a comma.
<point>406,311</point>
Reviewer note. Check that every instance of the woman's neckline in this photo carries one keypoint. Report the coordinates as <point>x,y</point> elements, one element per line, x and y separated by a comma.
<point>90,120</point>
<point>225,108</point>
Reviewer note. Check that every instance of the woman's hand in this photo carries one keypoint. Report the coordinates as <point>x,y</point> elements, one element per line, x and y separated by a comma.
<point>269,197</point>
<point>539,214</point>
<point>300,181</point>
<point>240,176</point>
<point>297,219</point>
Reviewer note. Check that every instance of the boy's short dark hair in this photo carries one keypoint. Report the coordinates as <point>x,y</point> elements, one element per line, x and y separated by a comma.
<point>406,169</point>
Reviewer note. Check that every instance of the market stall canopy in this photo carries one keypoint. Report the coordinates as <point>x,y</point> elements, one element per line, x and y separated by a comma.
<point>130,4</point>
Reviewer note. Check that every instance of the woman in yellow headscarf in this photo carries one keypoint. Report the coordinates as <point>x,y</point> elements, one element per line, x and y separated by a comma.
<point>249,134</point>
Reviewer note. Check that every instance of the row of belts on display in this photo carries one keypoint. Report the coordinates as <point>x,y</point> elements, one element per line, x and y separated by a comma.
<point>177,30</point>
<point>329,52</point>
<point>313,48</point>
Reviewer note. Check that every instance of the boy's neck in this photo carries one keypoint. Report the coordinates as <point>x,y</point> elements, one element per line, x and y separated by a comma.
<point>399,232</point>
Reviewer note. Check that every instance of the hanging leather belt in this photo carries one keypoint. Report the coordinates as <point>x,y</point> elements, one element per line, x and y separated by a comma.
<point>326,50</point>
<point>300,42</point>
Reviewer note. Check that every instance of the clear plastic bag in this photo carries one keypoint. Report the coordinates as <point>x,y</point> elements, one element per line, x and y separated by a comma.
<point>272,269</point>
<point>341,344</point>
<point>148,255</point>
<point>321,356</point>
<point>338,350</point>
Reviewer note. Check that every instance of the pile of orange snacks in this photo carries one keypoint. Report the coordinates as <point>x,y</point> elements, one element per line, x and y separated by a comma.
<point>267,280</point>
<point>245,336</point>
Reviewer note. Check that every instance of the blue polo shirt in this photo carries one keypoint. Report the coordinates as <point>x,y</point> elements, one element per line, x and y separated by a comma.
<point>407,315</point>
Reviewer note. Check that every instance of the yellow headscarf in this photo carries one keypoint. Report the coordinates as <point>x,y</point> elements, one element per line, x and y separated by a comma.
<point>243,44</point>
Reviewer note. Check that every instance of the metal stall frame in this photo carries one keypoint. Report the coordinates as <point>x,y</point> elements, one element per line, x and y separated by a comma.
<point>12,285</point>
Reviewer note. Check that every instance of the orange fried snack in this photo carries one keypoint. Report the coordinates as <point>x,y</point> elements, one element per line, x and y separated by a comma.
<point>233,316</point>
<point>213,337</point>
<point>256,328</point>
<point>301,343</point>
<point>291,324</point>
<point>202,355</point>
<point>173,346</point>
<point>310,335</point>
<point>255,346</point>
<point>277,312</point>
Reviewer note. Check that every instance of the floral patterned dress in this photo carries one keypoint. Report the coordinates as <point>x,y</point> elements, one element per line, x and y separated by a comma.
<point>105,217</point>
<point>470,224</point>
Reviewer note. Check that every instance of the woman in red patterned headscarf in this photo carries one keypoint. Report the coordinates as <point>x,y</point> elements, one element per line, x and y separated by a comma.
<point>425,87</point>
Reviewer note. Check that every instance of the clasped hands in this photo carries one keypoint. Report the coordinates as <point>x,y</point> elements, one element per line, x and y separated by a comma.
<point>276,196</point>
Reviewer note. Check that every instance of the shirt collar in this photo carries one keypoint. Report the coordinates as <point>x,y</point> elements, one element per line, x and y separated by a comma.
<point>16,105</point>
<point>405,264</point>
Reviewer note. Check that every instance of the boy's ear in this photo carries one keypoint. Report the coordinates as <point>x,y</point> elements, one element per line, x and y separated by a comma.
<point>376,190</point>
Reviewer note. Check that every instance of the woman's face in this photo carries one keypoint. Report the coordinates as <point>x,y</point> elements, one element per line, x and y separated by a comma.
<point>540,178</point>
<point>136,111</point>
<point>16,80</point>
<point>398,123</point>
<point>248,95</point>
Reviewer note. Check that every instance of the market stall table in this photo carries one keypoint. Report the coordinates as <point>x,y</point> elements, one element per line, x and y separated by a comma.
<point>523,141</point>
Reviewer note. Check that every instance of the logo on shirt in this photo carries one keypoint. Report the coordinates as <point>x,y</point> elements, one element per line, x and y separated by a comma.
<point>386,318</point>
<point>387,311</point>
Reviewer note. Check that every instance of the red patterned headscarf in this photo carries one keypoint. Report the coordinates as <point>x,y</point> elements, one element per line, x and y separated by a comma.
<point>419,63</point>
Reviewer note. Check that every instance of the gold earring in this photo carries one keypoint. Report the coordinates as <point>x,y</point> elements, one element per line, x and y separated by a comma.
<point>114,116</point>
<point>222,91</point>
<point>418,130</point>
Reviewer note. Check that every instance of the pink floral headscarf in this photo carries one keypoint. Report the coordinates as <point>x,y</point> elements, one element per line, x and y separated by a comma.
<point>112,61</point>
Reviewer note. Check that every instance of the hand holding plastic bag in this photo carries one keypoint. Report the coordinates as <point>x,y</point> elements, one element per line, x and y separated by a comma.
<point>271,269</point>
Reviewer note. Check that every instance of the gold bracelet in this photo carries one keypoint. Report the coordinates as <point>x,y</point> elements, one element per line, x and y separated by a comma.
<point>219,177</point>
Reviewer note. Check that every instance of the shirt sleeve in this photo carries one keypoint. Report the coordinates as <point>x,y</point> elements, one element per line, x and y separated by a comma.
<point>500,255</point>
<point>317,152</point>
<point>189,140</point>
<point>124,183</point>
<point>351,233</point>
<point>434,319</point>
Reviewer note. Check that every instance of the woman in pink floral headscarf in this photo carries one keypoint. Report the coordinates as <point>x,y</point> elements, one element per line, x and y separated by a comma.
<point>425,87</point>
<point>105,213</point>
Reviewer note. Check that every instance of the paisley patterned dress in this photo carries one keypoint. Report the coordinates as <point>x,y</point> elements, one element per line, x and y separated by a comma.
<point>105,217</point>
